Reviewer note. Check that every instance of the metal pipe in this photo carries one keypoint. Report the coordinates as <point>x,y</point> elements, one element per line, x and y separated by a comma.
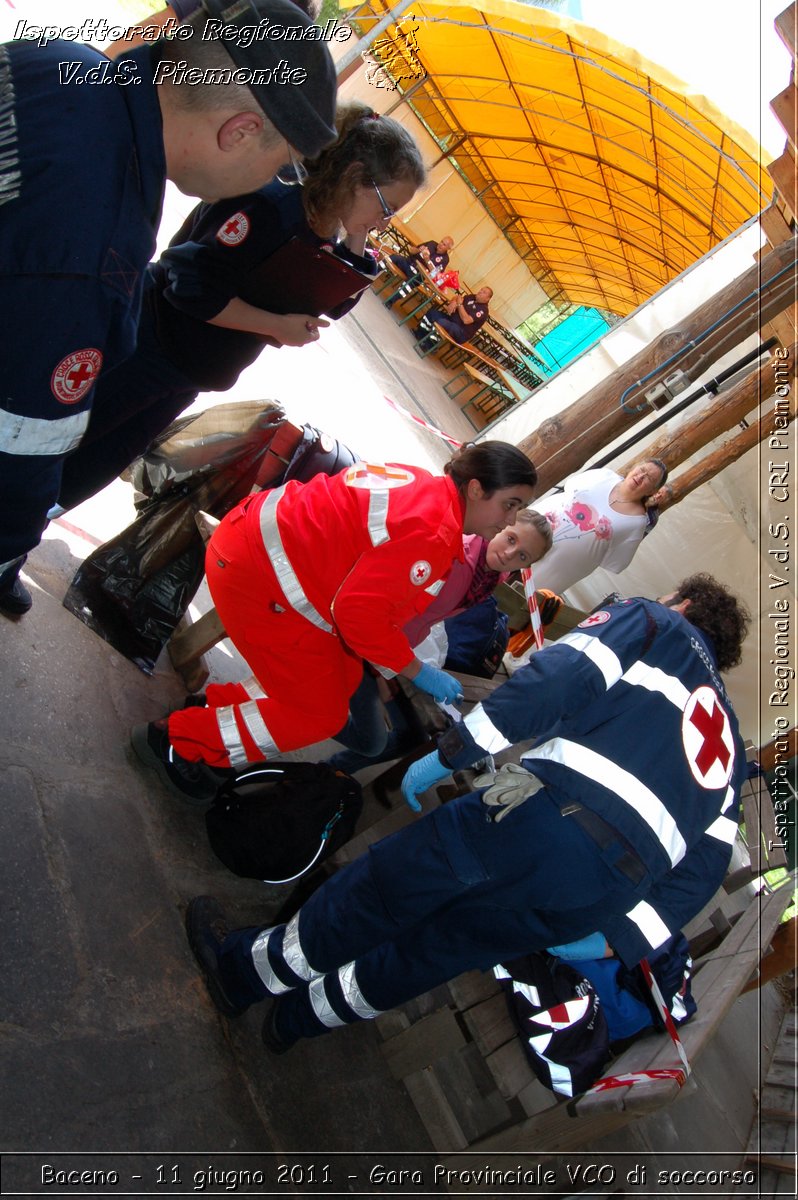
<point>709,388</point>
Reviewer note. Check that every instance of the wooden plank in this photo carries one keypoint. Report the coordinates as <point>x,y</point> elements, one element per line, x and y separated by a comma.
<point>490,1024</point>
<point>510,1068</point>
<point>785,24</point>
<point>471,1092</point>
<point>782,172</point>
<point>195,640</point>
<point>785,109</point>
<point>423,1043</point>
<point>443,1128</point>
<point>775,225</point>
<point>472,988</point>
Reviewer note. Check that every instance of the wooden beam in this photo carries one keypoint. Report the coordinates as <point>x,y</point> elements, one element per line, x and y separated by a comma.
<point>775,225</point>
<point>786,28</point>
<point>563,443</point>
<point>782,172</point>
<point>719,414</point>
<point>768,755</point>
<point>785,109</point>
<point>723,457</point>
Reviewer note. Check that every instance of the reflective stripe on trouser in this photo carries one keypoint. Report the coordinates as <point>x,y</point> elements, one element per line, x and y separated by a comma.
<point>307,675</point>
<point>452,892</point>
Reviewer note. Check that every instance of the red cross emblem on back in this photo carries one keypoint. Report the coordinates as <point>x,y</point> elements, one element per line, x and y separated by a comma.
<point>708,739</point>
<point>377,476</point>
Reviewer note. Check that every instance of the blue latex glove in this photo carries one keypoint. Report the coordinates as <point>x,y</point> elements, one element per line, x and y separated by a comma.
<point>421,775</point>
<point>440,686</point>
<point>594,945</point>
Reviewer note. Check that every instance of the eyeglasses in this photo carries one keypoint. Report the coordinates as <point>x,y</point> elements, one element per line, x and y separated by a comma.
<point>294,172</point>
<point>387,211</point>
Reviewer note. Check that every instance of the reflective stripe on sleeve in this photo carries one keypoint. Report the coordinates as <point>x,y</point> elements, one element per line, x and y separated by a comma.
<point>625,785</point>
<point>378,517</point>
<point>253,688</point>
<point>484,732</point>
<point>228,730</point>
<point>724,829</point>
<point>260,961</point>
<point>650,924</point>
<point>600,655</point>
<point>286,576</point>
<point>33,436</point>
<point>257,729</point>
<point>293,953</point>
<point>728,799</point>
<point>656,680</point>
<point>321,1005</point>
<point>353,995</point>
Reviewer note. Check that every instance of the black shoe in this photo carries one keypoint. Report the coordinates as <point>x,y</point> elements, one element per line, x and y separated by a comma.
<point>193,782</point>
<point>206,928</point>
<point>16,600</point>
<point>272,1040</point>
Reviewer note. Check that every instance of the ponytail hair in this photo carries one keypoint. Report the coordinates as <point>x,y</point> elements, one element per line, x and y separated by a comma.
<point>369,149</point>
<point>494,464</point>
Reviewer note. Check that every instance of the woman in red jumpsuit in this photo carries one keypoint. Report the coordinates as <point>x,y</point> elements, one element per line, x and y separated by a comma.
<point>311,578</point>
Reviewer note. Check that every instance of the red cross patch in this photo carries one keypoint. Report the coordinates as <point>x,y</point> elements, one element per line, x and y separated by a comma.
<point>420,572</point>
<point>75,374</point>
<point>377,476</point>
<point>596,618</point>
<point>707,739</point>
<point>234,230</point>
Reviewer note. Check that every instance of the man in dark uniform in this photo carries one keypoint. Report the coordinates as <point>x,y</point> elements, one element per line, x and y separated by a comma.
<point>620,821</point>
<point>431,256</point>
<point>462,318</point>
<point>82,174</point>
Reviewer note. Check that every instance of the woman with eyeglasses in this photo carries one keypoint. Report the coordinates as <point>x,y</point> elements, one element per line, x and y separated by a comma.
<point>197,332</point>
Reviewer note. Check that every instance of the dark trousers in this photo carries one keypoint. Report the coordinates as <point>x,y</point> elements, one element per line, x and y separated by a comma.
<point>455,891</point>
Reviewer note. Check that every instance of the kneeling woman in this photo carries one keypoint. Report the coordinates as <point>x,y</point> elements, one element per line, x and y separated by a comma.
<point>309,580</point>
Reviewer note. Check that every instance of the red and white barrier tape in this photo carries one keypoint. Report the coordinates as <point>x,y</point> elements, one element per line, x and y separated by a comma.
<point>424,424</point>
<point>532,605</point>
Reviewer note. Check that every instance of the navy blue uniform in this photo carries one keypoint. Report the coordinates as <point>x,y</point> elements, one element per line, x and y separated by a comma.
<point>408,264</point>
<point>634,728</point>
<point>211,260</point>
<point>82,173</point>
<point>454,324</point>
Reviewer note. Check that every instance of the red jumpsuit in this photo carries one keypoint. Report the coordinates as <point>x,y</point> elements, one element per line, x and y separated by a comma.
<point>308,580</point>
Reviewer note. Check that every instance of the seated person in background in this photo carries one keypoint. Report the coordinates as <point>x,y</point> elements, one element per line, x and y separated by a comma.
<point>662,498</point>
<point>462,318</point>
<point>431,256</point>
<point>485,566</point>
<point>598,519</point>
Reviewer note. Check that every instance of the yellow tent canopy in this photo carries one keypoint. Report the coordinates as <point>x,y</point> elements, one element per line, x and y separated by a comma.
<point>604,174</point>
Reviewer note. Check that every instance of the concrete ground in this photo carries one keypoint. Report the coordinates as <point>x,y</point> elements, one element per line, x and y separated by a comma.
<point>110,1047</point>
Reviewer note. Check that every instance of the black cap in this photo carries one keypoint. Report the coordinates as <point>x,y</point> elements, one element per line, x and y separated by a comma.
<point>303,112</point>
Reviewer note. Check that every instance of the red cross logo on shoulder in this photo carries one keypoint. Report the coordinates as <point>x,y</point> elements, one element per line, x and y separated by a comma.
<point>234,230</point>
<point>377,476</point>
<point>75,374</point>
<point>707,738</point>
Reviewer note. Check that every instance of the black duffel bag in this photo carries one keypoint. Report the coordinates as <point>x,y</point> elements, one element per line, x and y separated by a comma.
<point>276,820</point>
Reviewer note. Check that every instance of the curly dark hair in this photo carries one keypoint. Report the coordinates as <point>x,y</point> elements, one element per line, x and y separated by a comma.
<point>717,613</point>
<point>369,149</point>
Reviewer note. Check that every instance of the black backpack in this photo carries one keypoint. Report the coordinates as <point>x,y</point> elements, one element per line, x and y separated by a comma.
<point>478,639</point>
<point>275,821</point>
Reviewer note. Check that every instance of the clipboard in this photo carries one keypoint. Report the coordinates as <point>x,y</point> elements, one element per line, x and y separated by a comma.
<point>301,278</point>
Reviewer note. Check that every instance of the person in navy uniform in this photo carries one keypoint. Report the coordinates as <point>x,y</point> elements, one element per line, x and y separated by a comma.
<point>197,333</point>
<point>462,318</point>
<point>620,821</point>
<point>87,146</point>
<point>431,256</point>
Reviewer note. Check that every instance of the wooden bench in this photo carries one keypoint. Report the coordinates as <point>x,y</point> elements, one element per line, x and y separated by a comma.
<point>490,398</point>
<point>458,1053</point>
